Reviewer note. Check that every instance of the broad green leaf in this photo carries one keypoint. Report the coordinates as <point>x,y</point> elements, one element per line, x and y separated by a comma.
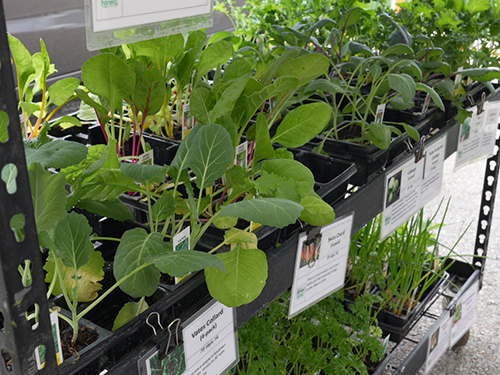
<point>305,68</point>
<point>481,74</point>
<point>246,239</point>
<point>303,124</point>
<point>4,127</point>
<point>438,67</point>
<point>31,108</point>
<point>23,60</point>
<point>403,84</point>
<point>237,68</point>
<point>129,311</point>
<point>225,104</point>
<point>225,222</point>
<point>263,147</point>
<point>412,132</point>
<point>62,90</point>
<point>274,212</point>
<point>72,241</point>
<point>398,49</point>
<point>135,247</point>
<point>144,173</point>
<point>446,87</point>
<point>183,69</point>
<point>181,158</point>
<point>434,95</point>
<point>150,92</point>
<point>277,186</point>
<point>160,50</point>
<point>109,76</point>
<point>358,48</point>
<point>89,276</point>
<point>316,211</point>
<point>379,135</point>
<point>245,277</point>
<point>94,154</point>
<point>180,263</point>
<point>100,111</point>
<point>211,154</point>
<point>272,71</point>
<point>107,185</point>
<point>163,208</point>
<point>57,154</point>
<point>114,209</point>
<point>291,169</point>
<point>215,54</point>
<point>48,194</point>
<point>201,103</point>
<point>476,6</point>
<point>67,122</point>
<point>350,17</point>
<point>325,85</point>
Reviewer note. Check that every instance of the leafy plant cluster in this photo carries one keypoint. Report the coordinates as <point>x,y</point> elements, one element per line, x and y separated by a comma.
<point>412,260</point>
<point>323,339</point>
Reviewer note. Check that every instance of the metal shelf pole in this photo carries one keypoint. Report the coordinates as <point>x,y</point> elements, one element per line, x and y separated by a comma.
<point>18,336</point>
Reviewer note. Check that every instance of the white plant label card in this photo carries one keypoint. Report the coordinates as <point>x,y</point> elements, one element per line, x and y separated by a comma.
<point>116,14</point>
<point>379,115</point>
<point>182,241</point>
<point>241,156</point>
<point>320,264</point>
<point>147,158</point>
<point>210,341</point>
<point>491,120</point>
<point>464,313</point>
<point>40,354</point>
<point>439,342</point>
<point>411,185</point>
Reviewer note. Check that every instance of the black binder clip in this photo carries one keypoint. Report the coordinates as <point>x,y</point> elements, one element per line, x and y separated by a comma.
<point>480,106</point>
<point>419,149</point>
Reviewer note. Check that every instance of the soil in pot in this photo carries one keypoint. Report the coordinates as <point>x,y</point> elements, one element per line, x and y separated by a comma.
<point>86,336</point>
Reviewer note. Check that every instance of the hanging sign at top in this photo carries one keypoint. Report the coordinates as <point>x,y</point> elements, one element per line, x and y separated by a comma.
<point>118,14</point>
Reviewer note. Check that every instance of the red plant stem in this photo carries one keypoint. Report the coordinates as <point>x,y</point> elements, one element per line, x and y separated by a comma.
<point>252,149</point>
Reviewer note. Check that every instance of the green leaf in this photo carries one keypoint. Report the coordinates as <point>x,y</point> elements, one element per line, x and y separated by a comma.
<point>57,154</point>
<point>135,247</point>
<point>434,95</point>
<point>325,85</point>
<point>114,209</point>
<point>398,49</point>
<point>150,92</point>
<point>212,153</point>
<point>129,311</point>
<point>303,124</point>
<point>109,76</point>
<point>180,263</point>
<point>476,6</point>
<point>305,68</point>
<point>4,127</point>
<point>412,132</point>
<point>181,158</point>
<point>201,103</point>
<point>101,112</point>
<point>160,50</point>
<point>23,60</point>
<point>215,54</point>
<point>89,276</point>
<point>144,173</point>
<point>275,212</point>
<point>291,169</point>
<point>225,222</point>
<point>379,135</point>
<point>163,208</point>
<point>66,122</point>
<point>107,185</point>
<point>316,211</point>
<point>245,277</point>
<point>350,17</point>
<point>72,240</point>
<point>263,147</point>
<point>225,104</point>
<point>237,68</point>
<point>246,239</point>
<point>403,84</point>
<point>481,74</point>
<point>62,90</point>
<point>48,194</point>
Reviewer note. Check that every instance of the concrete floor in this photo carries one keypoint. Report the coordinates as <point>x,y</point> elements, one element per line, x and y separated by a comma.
<point>480,355</point>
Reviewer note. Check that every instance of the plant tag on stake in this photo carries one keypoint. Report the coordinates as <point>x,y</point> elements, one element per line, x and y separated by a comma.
<point>241,156</point>
<point>40,354</point>
<point>439,342</point>
<point>147,158</point>
<point>211,343</point>
<point>182,241</point>
<point>411,185</point>
<point>321,264</point>
<point>187,121</point>
<point>427,103</point>
<point>379,116</point>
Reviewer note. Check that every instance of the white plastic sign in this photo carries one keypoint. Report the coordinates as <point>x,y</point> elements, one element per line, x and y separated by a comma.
<point>210,341</point>
<point>320,264</point>
<point>411,185</point>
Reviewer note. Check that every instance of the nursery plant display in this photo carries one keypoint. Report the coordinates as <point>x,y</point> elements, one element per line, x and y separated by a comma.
<point>277,96</point>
